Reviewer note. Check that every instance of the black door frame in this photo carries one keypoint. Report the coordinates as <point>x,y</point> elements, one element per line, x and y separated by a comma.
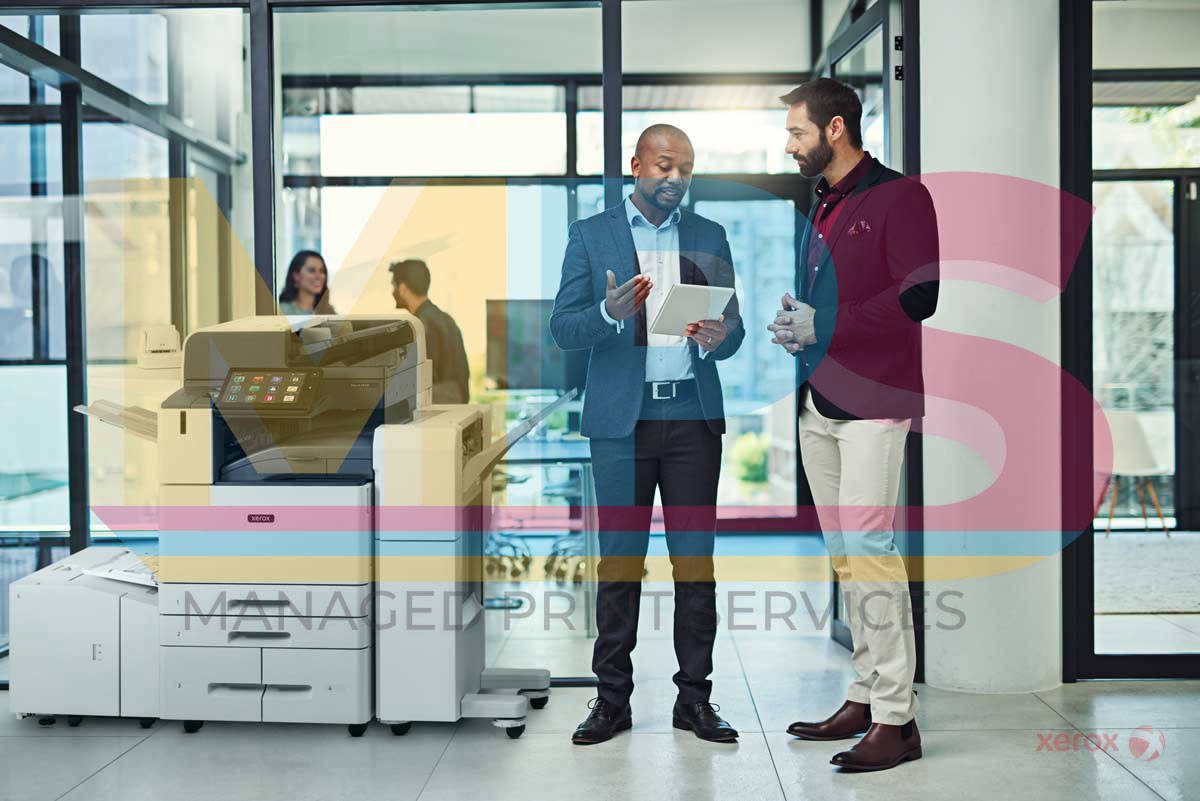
<point>1080,661</point>
<point>1087,663</point>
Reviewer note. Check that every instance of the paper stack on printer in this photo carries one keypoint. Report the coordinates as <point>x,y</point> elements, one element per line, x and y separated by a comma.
<point>128,567</point>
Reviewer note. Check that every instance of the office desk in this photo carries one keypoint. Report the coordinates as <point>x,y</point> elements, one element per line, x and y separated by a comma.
<point>571,451</point>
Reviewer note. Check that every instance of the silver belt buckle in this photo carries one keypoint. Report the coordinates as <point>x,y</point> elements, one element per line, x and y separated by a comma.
<point>654,385</point>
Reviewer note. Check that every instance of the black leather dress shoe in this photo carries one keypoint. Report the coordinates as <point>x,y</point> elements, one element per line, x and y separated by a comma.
<point>701,718</point>
<point>602,723</point>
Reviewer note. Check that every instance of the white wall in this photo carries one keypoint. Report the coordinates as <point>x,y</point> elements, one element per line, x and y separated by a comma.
<point>989,103</point>
<point>1146,33</point>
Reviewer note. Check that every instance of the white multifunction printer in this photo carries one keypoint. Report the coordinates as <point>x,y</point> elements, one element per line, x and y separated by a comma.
<point>320,559</point>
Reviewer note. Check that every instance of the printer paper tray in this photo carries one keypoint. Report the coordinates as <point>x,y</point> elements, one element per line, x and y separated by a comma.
<point>134,419</point>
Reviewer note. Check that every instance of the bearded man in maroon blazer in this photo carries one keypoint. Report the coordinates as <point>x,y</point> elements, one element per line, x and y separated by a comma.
<point>869,276</point>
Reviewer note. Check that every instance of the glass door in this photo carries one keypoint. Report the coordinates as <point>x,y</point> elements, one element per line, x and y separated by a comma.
<point>1144,567</point>
<point>1138,608</point>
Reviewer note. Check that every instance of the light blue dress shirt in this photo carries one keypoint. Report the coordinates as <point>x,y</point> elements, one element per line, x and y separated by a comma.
<point>663,362</point>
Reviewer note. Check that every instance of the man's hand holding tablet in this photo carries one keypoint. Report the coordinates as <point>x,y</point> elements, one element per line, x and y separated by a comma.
<point>694,311</point>
<point>708,334</point>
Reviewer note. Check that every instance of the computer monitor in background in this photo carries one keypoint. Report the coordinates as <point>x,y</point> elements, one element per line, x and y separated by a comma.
<point>520,352</point>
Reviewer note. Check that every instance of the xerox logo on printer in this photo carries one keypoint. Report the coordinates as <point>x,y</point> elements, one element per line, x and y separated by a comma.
<point>260,518</point>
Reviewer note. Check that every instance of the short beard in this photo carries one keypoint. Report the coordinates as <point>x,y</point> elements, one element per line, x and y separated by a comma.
<point>817,159</point>
<point>663,205</point>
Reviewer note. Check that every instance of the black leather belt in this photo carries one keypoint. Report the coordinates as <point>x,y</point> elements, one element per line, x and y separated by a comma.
<point>669,390</point>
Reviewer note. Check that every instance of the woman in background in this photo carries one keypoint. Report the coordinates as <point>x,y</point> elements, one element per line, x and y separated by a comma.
<point>306,289</point>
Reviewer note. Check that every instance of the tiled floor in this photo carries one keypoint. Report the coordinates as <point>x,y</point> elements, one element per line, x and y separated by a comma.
<point>977,747</point>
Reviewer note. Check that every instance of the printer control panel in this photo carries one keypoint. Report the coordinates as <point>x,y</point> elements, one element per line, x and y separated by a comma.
<point>269,389</point>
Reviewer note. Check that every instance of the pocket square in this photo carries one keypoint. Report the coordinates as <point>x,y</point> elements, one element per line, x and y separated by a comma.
<point>860,227</point>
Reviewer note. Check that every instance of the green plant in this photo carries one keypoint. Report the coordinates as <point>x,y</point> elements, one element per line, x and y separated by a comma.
<point>749,455</point>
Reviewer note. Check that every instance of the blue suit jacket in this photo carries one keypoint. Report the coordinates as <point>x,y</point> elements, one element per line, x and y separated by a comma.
<point>617,365</point>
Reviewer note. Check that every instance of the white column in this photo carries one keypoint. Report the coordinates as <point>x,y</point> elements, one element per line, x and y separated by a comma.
<point>989,103</point>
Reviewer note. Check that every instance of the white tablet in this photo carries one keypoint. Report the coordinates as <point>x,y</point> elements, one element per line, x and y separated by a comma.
<point>687,304</point>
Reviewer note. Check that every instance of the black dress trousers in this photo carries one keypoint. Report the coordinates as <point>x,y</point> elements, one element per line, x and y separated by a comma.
<point>674,450</point>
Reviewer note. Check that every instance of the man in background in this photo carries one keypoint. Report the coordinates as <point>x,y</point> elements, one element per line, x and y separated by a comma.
<point>443,340</point>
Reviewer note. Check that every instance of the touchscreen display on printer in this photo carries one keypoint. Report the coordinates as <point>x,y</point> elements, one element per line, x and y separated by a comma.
<point>253,388</point>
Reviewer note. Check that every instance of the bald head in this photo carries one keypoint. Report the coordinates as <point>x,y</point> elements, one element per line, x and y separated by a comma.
<point>668,134</point>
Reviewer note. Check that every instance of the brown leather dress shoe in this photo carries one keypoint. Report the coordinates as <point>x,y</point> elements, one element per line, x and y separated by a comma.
<point>882,747</point>
<point>852,719</point>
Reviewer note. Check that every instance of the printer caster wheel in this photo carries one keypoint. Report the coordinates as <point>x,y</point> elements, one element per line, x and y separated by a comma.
<point>515,731</point>
<point>74,720</point>
<point>192,726</point>
<point>539,703</point>
<point>48,720</point>
<point>146,723</point>
<point>357,729</point>
<point>401,729</point>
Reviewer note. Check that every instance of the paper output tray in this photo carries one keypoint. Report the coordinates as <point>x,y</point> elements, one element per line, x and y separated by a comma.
<point>482,463</point>
<point>134,419</point>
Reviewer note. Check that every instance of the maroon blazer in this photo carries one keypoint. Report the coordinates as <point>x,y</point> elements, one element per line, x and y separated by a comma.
<point>878,279</point>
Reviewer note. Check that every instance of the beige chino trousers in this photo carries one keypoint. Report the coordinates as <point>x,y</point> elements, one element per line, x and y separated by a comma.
<point>853,469</point>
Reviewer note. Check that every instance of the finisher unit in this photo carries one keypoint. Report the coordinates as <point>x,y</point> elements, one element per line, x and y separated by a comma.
<point>84,638</point>
<point>311,503</point>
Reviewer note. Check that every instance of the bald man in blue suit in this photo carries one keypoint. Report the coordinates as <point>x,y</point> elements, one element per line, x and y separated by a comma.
<point>655,416</point>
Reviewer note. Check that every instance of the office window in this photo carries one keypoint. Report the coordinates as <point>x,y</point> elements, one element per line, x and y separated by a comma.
<point>734,128</point>
<point>736,124</point>
<point>127,239</point>
<point>30,242</point>
<point>14,87</point>
<point>152,256</point>
<point>480,143</point>
<point>680,36</point>
<point>1145,124</point>
<point>758,460</point>
<point>165,237</point>
<point>129,50</point>
<point>33,459</point>
<point>33,474</point>
<point>415,93</point>
<point>480,242</point>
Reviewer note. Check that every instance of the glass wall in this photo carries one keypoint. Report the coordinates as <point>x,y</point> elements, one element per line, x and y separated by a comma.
<point>472,137</point>
<point>469,137</point>
<point>162,235</point>
<point>747,183</point>
<point>431,137</point>
<point>33,459</point>
<point>441,133</point>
